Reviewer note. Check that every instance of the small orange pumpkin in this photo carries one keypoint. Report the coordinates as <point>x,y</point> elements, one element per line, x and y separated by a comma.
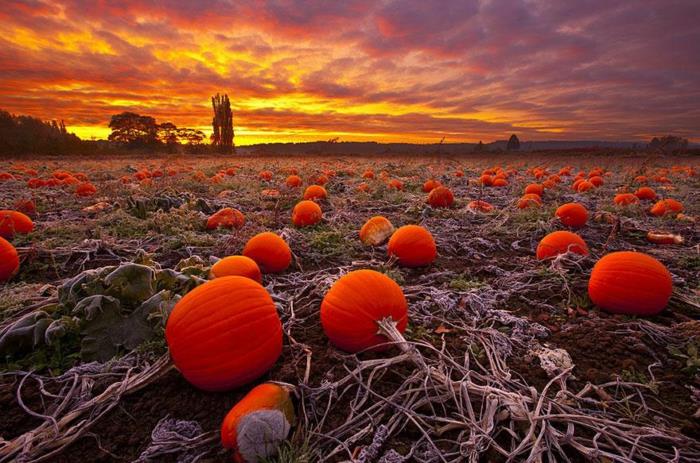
<point>85,189</point>
<point>584,186</point>
<point>486,180</point>
<point>631,283</point>
<point>306,213</point>
<point>396,184</point>
<point>376,231</point>
<point>625,199</point>
<point>666,206</point>
<point>534,188</point>
<point>413,245</point>
<point>430,185</point>
<point>573,215</point>
<point>265,175</point>
<point>561,242</point>
<point>314,192</point>
<point>645,193</point>
<point>441,197</point>
<point>12,222</point>
<point>237,266</point>
<point>355,303</point>
<point>479,206</point>
<point>9,260</point>
<point>269,251</point>
<point>500,182</point>
<point>224,333</point>
<point>226,218</point>
<point>529,200</point>
<point>294,181</point>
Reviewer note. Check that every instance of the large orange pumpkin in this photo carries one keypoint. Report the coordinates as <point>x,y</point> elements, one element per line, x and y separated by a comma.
<point>226,218</point>
<point>663,207</point>
<point>236,266</point>
<point>631,283</point>
<point>306,213</point>
<point>269,251</point>
<point>413,245</point>
<point>572,215</point>
<point>9,260</point>
<point>315,192</point>
<point>355,303</point>
<point>224,333</point>
<point>584,186</point>
<point>12,222</point>
<point>265,415</point>
<point>376,231</point>
<point>534,188</point>
<point>441,197</point>
<point>560,242</point>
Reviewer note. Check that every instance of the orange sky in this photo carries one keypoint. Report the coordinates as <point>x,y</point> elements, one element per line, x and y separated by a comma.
<point>400,71</point>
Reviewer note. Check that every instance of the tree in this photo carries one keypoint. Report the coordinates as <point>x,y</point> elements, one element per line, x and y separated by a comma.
<point>29,135</point>
<point>222,124</point>
<point>670,144</point>
<point>187,136</point>
<point>513,143</point>
<point>133,130</point>
<point>168,133</point>
<point>479,147</point>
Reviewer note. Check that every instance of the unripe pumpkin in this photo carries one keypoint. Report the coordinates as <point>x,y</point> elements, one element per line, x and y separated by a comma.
<point>237,266</point>
<point>561,242</point>
<point>224,333</point>
<point>376,231</point>
<point>413,245</point>
<point>631,283</point>
<point>315,192</point>
<point>256,426</point>
<point>306,213</point>
<point>9,260</point>
<point>572,215</point>
<point>269,251</point>
<point>441,197</point>
<point>355,303</point>
<point>226,218</point>
<point>12,222</point>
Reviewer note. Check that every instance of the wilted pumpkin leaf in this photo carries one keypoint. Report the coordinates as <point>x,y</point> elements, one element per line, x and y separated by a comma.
<point>85,284</point>
<point>131,283</point>
<point>24,334</point>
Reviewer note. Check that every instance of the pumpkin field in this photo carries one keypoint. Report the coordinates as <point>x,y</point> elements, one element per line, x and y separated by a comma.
<point>538,307</point>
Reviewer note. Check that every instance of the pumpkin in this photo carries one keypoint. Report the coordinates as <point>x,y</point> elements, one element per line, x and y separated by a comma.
<point>355,303</point>
<point>573,215</point>
<point>396,184</point>
<point>315,192</point>
<point>25,206</point>
<point>561,242</point>
<point>368,174</point>
<point>430,185</point>
<point>645,193</point>
<point>256,426</point>
<point>226,218</point>
<point>4,176</point>
<point>479,206</point>
<point>663,207</point>
<point>363,187</point>
<point>413,246</point>
<point>459,173</point>
<point>376,231</point>
<point>237,266</point>
<point>441,197</point>
<point>596,180</point>
<point>625,199</point>
<point>293,181</point>
<point>265,175</point>
<point>486,180</point>
<point>641,179</point>
<point>664,238</point>
<point>9,260</point>
<point>500,182</point>
<point>269,251</point>
<point>306,213</point>
<point>224,333</point>
<point>12,222</point>
<point>85,189</point>
<point>534,188</point>
<point>529,200</point>
<point>631,283</point>
<point>584,186</point>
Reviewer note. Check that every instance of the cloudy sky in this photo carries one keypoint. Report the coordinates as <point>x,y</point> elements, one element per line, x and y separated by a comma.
<point>412,70</point>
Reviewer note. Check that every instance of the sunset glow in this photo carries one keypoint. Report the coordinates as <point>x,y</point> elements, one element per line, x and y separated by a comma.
<point>392,71</point>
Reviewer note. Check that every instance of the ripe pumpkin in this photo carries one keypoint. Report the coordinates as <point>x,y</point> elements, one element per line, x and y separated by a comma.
<point>306,213</point>
<point>25,206</point>
<point>9,260</point>
<point>269,251</point>
<point>625,199</point>
<point>265,175</point>
<point>368,174</point>
<point>666,206</point>
<point>529,200</point>
<point>85,189</point>
<point>256,426</point>
<point>479,206</point>
<point>596,180</point>
<point>313,192</point>
<point>645,193</point>
<point>486,180</point>
<point>294,181</point>
<point>363,187</point>
<point>355,303</point>
<point>561,242</point>
<point>224,333</point>
<point>430,185</point>
<point>376,231</point>
<point>534,188</point>
<point>396,184</point>
<point>12,222</point>
<point>226,218</point>
<point>631,283</point>
<point>573,215</point>
<point>413,245</point>
<point>584,186</point>
<point>237,266</point>
<point>500,182</point>
<point>441,197</point>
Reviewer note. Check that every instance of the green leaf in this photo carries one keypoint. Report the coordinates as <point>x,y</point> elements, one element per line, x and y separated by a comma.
<point>131,283</point>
